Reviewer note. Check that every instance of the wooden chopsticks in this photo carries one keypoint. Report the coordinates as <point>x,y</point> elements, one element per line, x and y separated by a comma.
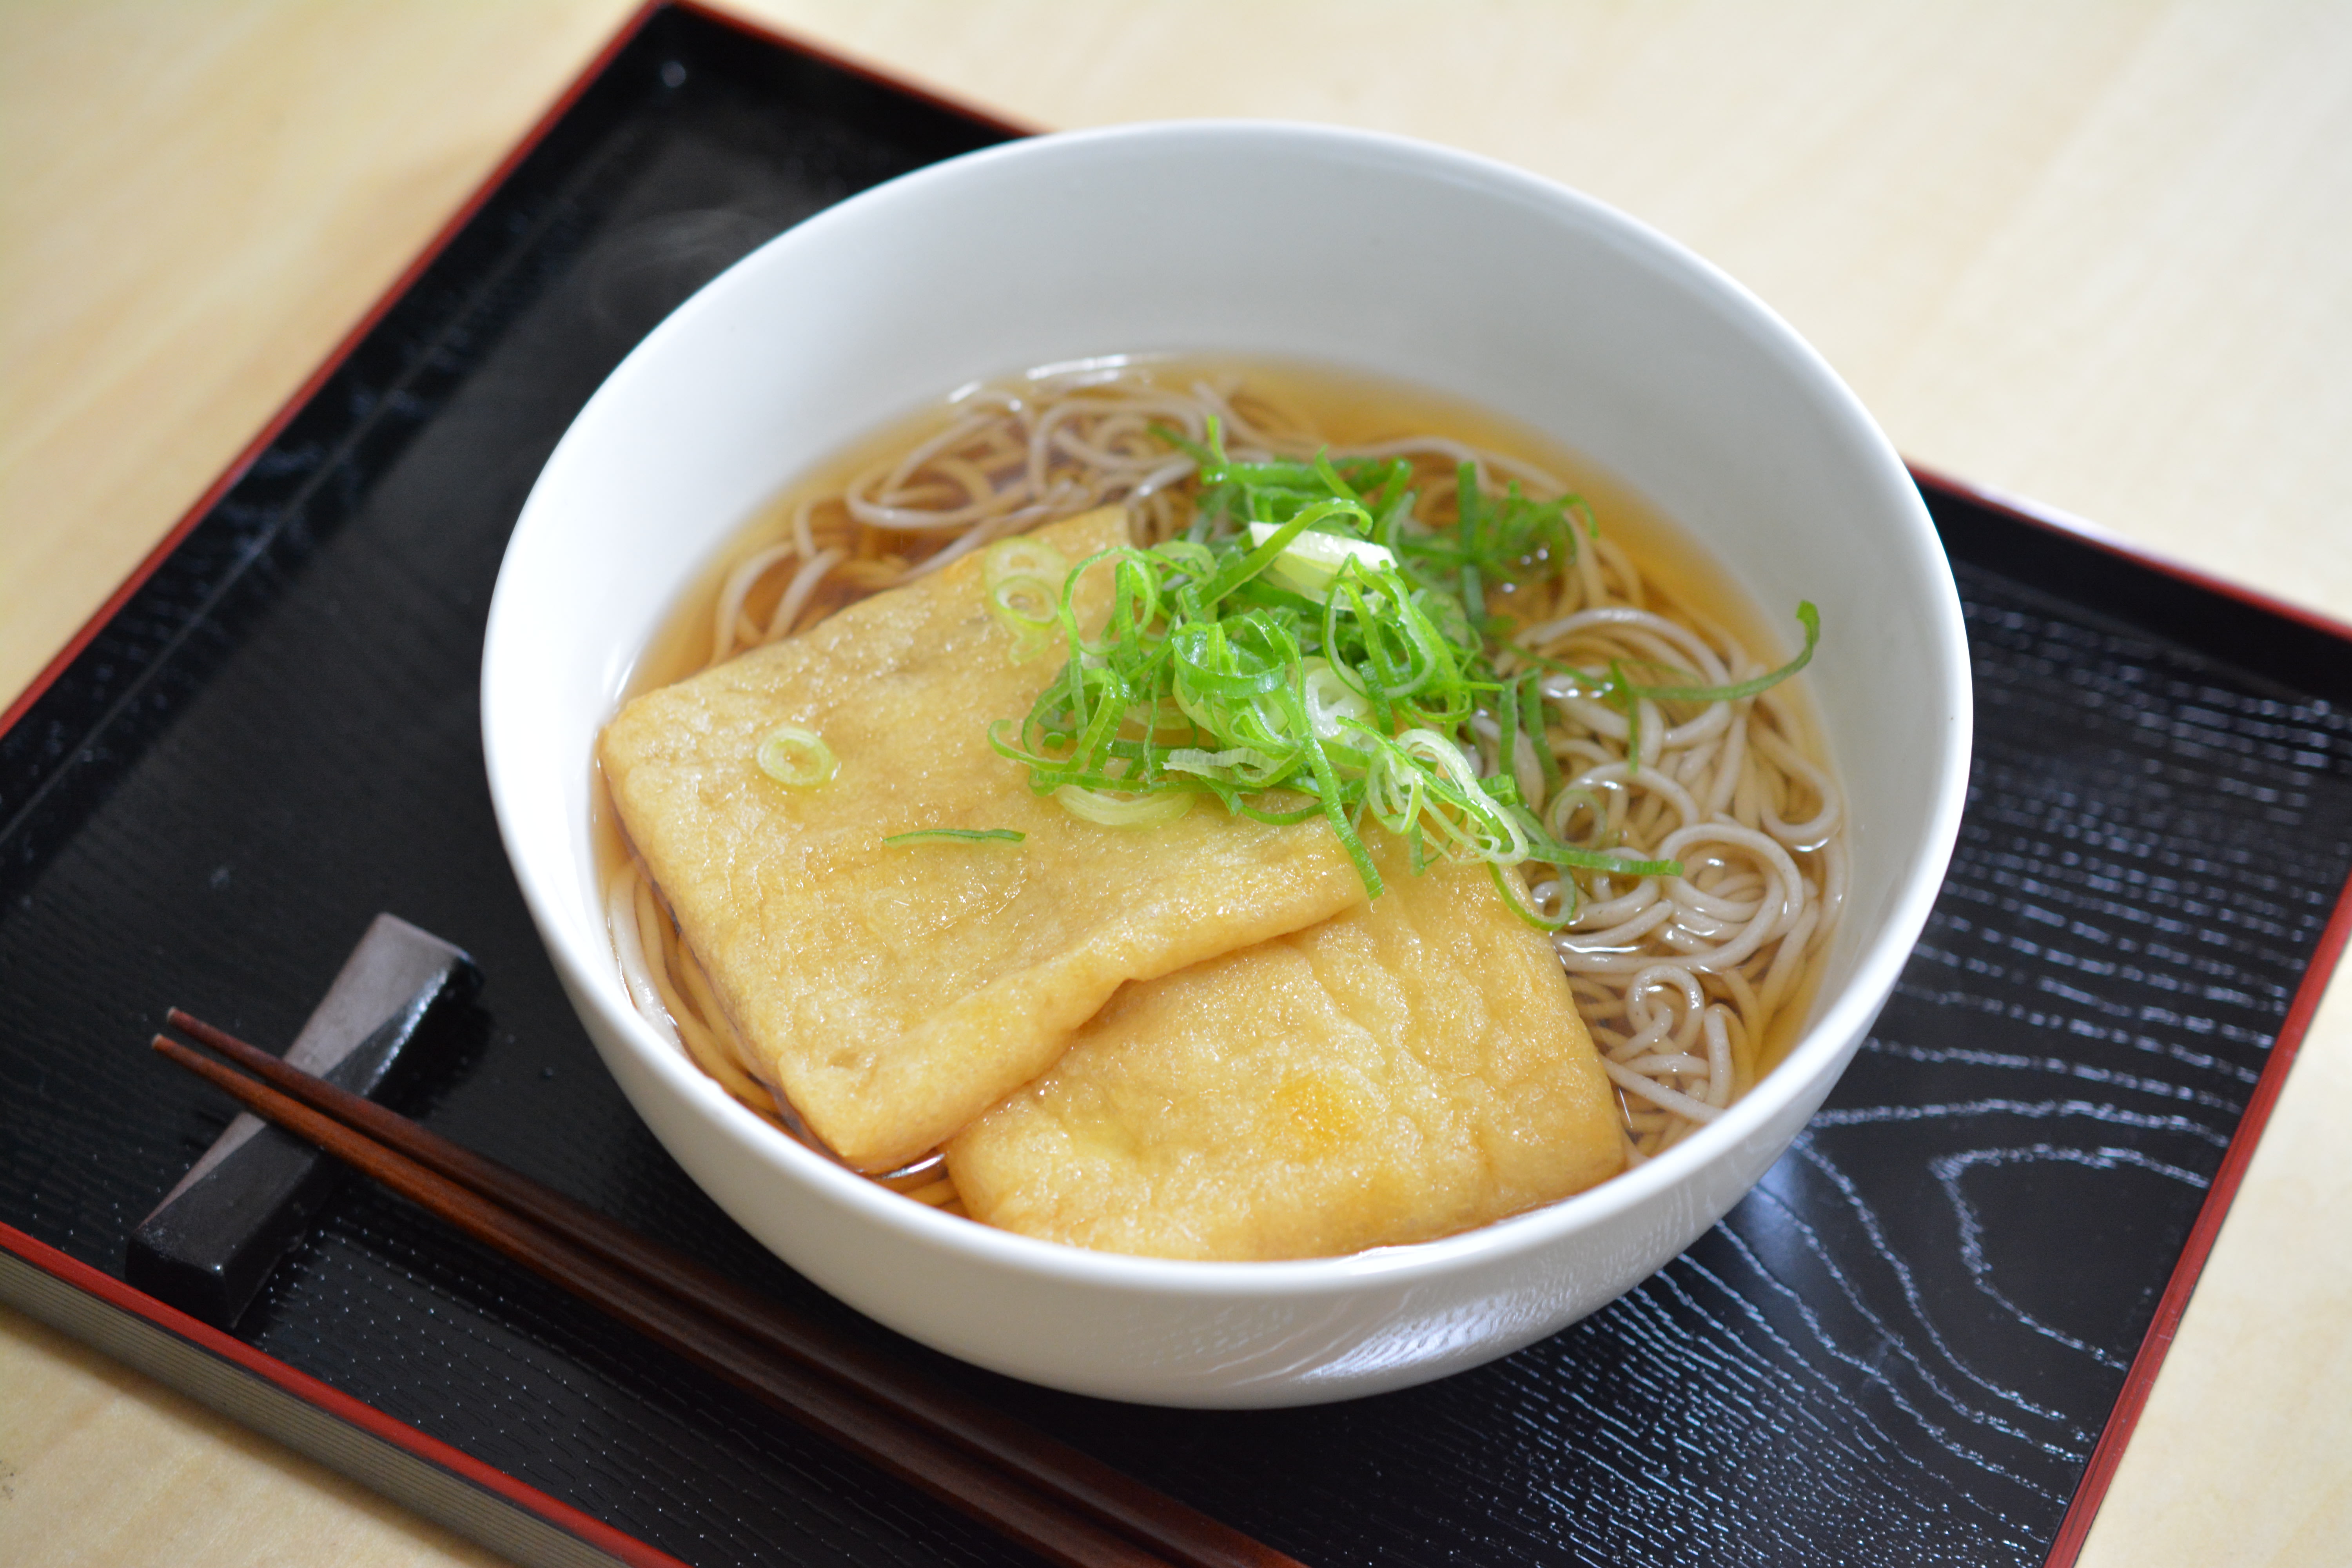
<point>1058,1502</point>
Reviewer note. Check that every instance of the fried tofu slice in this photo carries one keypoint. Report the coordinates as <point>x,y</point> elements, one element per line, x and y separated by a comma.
<point>1398,1073</point>
<point>892,993</point>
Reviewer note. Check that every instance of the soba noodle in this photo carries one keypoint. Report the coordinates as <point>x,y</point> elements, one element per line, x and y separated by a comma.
<point>1690,984</point>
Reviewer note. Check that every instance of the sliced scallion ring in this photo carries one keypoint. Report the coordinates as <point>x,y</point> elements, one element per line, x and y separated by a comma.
<point>1028,606</point>
<point>1310,562</point>
<point>1023,557</point>
<point>1520,901</point>
<point>1130,811</point>
<point>797,758</point>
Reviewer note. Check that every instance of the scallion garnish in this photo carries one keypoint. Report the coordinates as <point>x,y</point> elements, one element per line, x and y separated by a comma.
<point>958,835</point>
<point>796,758</point>
<point>1626,695</point>
<point>1022,557</point>
<point>1148,810</point>
<point>1023,580</point>
<point>1027,607</point>
<point>1807,616</point>
<point>1309,647</point>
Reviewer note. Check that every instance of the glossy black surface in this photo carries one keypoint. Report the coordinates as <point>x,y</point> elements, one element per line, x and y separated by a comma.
<point>1899,1350</point>
<point>213,1242</point>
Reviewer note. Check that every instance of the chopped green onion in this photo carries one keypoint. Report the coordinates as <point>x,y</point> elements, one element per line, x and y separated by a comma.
<point>1112,811</point>
<point>1603,860</point>
<point>1807,616</point>
<point>1023,556</point>
<point>1524,907</point>
<point>1309,647</point>
<point>1028,607</point>
<point>1627,695</point>
<point>797,758</point>
<point>958,835</point>
<point>1531,716</point>
<point>1026,603</point>
<point>1310,562</point>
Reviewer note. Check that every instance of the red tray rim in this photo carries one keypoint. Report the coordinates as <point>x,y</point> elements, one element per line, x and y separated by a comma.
<point>330,1401</point>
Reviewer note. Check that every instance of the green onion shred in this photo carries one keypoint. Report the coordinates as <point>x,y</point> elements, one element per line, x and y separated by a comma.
<point>1289,681</point>
<point>1023,578</point>
<point>958,835</point>
<point>797,758</point>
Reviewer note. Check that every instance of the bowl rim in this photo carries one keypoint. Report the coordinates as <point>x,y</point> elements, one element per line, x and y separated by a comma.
<point>1807,1066</point>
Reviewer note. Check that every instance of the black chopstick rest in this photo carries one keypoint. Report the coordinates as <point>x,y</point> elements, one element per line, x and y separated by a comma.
<point>211,1243</point>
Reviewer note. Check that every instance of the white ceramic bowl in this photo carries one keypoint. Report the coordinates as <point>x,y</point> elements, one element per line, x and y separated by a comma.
<point>1268,241</point>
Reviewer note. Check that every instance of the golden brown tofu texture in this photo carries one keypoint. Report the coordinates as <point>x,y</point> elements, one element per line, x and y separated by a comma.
<point>893,993</point>
<point>1398,1073</point>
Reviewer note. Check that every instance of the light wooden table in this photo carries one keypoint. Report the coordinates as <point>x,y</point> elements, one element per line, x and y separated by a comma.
<point>2097,255</point>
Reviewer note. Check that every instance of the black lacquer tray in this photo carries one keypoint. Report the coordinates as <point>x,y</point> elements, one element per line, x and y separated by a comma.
<point>1905,1347</point>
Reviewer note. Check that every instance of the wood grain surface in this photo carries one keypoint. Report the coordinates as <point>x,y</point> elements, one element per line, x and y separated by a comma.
<point>2094,255</point>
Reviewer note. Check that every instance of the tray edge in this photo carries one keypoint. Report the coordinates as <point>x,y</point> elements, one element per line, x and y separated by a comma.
<point>412,1468</point>
<point>2123,1417</point>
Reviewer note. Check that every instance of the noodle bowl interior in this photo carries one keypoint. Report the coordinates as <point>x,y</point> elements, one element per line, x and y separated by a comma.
<point>1691,985</point>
